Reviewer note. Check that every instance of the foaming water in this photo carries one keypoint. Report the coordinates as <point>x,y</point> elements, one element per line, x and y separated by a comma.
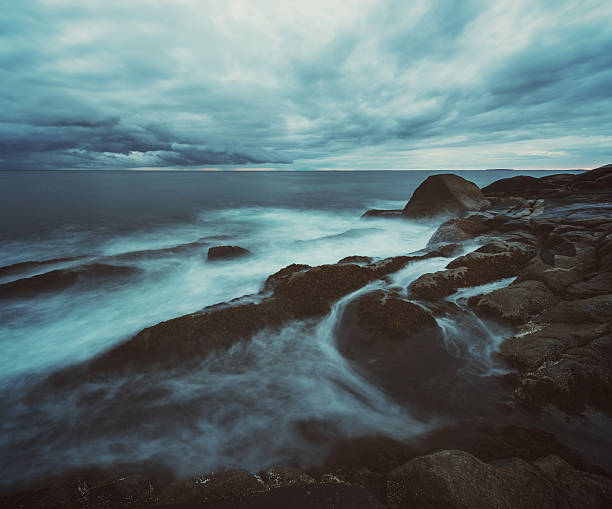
<point>81,321</point>
<point>469,337</point>
<point>282,397</point>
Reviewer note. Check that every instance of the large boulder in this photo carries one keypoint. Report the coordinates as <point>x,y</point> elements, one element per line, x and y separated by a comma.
<point>400,344</point>
<point>444,195</point>
<point>381,323</point>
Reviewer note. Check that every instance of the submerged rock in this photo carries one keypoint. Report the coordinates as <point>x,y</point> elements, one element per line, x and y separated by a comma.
<point>62,279</point>
<point>394,214</point>
<point>226,252</point>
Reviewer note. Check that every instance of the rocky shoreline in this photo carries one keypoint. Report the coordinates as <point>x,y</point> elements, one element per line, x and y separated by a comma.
<point>552,236</point>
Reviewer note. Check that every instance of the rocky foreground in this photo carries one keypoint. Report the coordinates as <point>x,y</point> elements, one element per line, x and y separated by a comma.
<point>552,235</point>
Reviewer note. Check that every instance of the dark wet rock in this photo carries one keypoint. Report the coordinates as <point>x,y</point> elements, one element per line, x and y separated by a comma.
<point>576,489</point>
<point>80,493</point>
<point>279,477</point>
<point>372,213</point>
<point>531,349</point>
<point>127,491</point>
<point>522,186</point>
<point>60,493</point>
<point>458,230</point>
<point>355,259</point>
<point>384,322</point>
<point>226,252</point>
<point>569,366</point>
<point>387,266</point>
<point>399,344</point>
<point>458,480</point>
<point>179,250</point>
<point>30,266</point>
<point>228,485</point>
<point>598,179</point>
<point>444,195</point>
<point>311,293</point>
<point>556,277</point>
<point>213,490</point>
<point>283,275</point>
<point>595,284</point>
<point>516,303</point>
<point>492,443</point>
<point>593,310</point>
<point>317,496</point>
<point>62,279</point>
<point>186,340</point>
<point>474,269</point>
<point>298,292</point>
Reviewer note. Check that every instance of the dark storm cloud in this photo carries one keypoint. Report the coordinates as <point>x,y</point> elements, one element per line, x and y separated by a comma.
<point>348,84</point>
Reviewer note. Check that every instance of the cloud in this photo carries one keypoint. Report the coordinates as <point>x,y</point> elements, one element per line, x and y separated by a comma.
<point>362,83</point>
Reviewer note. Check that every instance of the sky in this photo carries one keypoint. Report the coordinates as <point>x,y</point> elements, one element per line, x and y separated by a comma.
<point>316,84</point>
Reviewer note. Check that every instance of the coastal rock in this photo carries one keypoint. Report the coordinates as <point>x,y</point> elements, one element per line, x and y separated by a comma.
<point>458,230</point>
<point>474,269</point>
<point>576,488</point>
<point>283,275</point>
<point>397,342</point>
<point>373,213</point>
<point>458,480</point>
<point>311,293</point>
<point>295,292</point>
<point>598,283</point>
<point>78,493</point>
<point>212,490</point>
<point>61,279</point>
<point>355,259</point>
<point>593,310</point>
<point>384,322</point>
<point>226,252</point>
<point>285,476</point>
<point>569,366</point>
<point>516,303</point>
<point>444,195</point>
<point>597,179</point>
<point>315,496</point>
<point>521,186</point>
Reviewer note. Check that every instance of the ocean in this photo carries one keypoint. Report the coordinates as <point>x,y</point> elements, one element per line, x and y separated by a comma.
<point>124,250</point>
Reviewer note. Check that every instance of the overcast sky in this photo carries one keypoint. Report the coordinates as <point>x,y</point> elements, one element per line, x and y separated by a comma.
<point>311,84</point>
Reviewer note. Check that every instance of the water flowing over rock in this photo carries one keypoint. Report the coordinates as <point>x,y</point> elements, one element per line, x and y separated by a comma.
<point>527,260</point>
